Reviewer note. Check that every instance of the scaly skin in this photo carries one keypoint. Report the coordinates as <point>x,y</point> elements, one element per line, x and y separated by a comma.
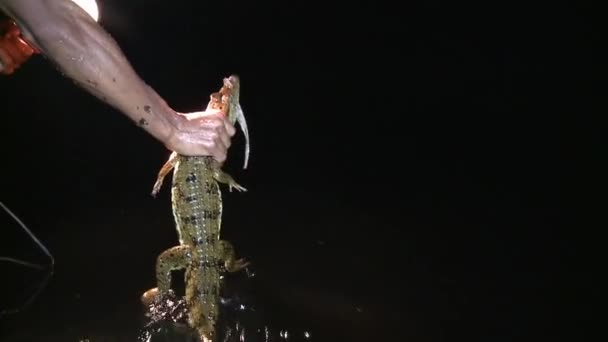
<point>197,210</point>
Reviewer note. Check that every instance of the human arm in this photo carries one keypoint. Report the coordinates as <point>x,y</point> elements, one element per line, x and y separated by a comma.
<point>85,52</point>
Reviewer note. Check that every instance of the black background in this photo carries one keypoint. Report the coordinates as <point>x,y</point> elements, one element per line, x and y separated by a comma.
<point>406,177</point>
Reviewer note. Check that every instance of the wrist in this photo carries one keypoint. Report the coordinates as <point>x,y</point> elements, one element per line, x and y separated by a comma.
<point>169,132</point>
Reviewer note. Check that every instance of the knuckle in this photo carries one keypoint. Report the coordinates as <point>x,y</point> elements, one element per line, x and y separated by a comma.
<point>220,157</point>
<point>207,144</point>
<point>213,144</point>
<point>213,124</point>
<point>218,126</point>
<point>213,135</point>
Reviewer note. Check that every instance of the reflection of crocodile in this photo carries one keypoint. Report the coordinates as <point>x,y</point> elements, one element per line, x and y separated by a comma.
<point>197,209</point>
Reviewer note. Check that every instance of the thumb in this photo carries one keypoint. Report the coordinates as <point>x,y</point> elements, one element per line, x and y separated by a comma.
<point>6,62</point>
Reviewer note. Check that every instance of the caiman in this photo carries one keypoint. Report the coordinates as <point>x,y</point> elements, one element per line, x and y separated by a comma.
<point>197,210</point>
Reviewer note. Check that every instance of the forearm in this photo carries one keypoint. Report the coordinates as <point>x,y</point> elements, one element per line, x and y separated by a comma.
<point>83,51</point>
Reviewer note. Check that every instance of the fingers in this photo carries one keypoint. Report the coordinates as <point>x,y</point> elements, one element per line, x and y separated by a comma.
<point>215,146</point>
<point>204,136</point>
<point>6,61</point>
<point>13,49</point>
<point>26,50</point>
<point>198,144</point>
<point>224,131</point>
<point>220,155</point>
<point>229,127</point>
<point>219,129</point>
<point>13,53</point>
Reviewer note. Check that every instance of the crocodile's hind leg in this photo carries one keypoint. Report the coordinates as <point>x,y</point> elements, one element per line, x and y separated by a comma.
<point>172,259</point>
<point>228,256</point>
<point>225,178</point>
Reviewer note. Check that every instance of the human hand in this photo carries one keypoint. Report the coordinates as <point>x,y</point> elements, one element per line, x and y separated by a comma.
<point>14,51</point>
<point>205,133</point>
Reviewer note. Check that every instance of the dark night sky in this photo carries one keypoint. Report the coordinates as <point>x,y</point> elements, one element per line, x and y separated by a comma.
<point>408,161</point>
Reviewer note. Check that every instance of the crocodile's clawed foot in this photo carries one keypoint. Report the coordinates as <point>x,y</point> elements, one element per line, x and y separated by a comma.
<point>153,297</point>
<point>156,188</point>
<point>236,186</point>
<point>237,265</point>
<point>149,297</point>
<point>225,178</point>
<point>162,307</point>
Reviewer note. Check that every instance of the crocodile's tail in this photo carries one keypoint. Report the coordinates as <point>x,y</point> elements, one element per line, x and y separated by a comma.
<point>240,117</point>
<point>202,298</point>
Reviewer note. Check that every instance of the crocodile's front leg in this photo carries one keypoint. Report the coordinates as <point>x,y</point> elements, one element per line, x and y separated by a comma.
<point>228,256</point>
<point>164,171</point>
<point>224,178</point>
<point>172,259</point>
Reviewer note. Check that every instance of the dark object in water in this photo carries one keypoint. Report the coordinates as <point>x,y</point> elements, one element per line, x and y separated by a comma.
<point>51,266</point>
<point>167,321</point>
<point>247,313</point>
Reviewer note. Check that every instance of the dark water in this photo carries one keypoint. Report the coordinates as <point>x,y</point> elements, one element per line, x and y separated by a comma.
<point>351,276</point>
<point>296,294</point>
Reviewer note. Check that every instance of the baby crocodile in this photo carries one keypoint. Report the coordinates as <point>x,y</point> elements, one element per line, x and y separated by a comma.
<point>197,210</point>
